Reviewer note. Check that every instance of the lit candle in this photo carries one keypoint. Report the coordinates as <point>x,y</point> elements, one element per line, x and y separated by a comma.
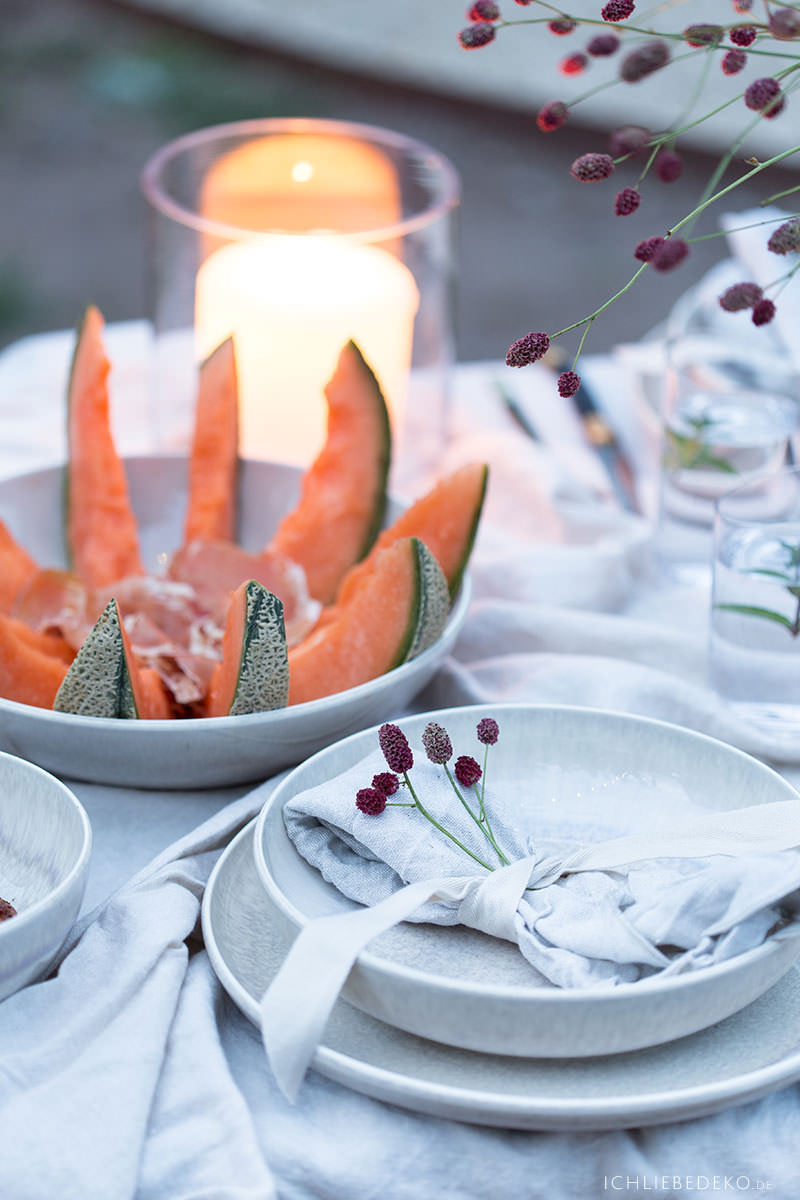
<point>291,302</point>
<point>291,299</point>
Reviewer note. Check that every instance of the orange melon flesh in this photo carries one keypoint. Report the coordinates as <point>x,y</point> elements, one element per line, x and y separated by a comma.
<point>211,512</point>
<point>445,519</point>
<point>226,672</point>
<point>26,674</point>
<point>149,695</point>
<point>152,699</point>
<point>367,637</point>
<point>17,568</point>
<point>52,644</point>
<point>343,493</point>
<point>102,534</point>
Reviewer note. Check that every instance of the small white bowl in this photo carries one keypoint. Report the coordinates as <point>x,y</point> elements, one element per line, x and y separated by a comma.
<point>45,847</point>
<point>460,987</point>
<point>213,751</point>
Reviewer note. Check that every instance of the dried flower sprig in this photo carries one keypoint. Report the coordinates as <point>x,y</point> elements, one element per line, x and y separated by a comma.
<point>729,45</point>
<point>465,776</point>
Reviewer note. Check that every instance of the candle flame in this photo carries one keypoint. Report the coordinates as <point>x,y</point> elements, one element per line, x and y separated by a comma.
<point>302,172</point>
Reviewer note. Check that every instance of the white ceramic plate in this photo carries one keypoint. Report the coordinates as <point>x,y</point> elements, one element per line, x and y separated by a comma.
<point>744,1057</point>
<point>216,751</point>
<point>45,847</point>
<point>469,990</point>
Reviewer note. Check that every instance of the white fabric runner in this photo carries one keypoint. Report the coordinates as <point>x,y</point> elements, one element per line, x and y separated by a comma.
<point>129,1076</point>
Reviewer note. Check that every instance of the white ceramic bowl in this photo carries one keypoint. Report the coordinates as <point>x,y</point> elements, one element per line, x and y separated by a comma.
<point>45,846</point>
<point>214,751</point>
<point>463,988</point>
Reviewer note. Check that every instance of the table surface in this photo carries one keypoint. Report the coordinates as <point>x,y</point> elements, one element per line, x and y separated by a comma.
<point>613,640</point>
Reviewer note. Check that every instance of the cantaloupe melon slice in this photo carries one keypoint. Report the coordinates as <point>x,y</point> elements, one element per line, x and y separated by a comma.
<point>211,510</point>
<point>105,681</point>
<point>102,534</point>
<point>446,519</point>
<point>253,675</point>
<point>52,644</point>
<point>395,612</point>
<point>343,496</point>
<point>17,568</point>
<point>27,675</point>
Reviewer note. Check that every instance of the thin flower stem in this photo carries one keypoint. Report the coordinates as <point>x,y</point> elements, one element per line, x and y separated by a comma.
<point>784,279</point>
<point>770,162</point>
<point>441,828</point>
<point>484,827</point>
<point>485,819</point>
<point>779,196</point>
<point>706,237</point>
<point>602,308</point>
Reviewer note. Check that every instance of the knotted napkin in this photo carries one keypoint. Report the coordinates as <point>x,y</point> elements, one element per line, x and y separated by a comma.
<point>702,888</point>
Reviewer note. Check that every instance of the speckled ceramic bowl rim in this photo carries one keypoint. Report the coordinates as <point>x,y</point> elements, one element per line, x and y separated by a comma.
<point>53,898</point>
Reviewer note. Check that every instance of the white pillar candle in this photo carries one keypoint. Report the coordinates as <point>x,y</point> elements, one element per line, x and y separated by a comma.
<point>291,302</point>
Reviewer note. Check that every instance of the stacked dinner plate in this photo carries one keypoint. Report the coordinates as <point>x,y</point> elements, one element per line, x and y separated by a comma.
<point>452,1022</point>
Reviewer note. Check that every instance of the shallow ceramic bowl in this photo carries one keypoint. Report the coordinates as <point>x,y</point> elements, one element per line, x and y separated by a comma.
<point>214,751</point>
<point>45,847</point>
<point>465,989</point>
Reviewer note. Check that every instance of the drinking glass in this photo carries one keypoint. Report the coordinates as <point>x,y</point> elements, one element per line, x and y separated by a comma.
<point>754,659</point>
<point>728,415</point>
<point>294,236</point>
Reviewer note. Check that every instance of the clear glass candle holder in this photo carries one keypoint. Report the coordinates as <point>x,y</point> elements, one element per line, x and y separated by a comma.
<point>754,657</point>
<point>295,236</point>
<point>728,415</point>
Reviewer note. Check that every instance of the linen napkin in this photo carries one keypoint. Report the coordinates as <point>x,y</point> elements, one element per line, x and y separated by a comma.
<point>629,906</point>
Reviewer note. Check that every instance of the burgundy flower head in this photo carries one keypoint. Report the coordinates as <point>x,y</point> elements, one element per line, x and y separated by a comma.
<point>646,249</point>
<point>628,139</point>
<point>762,93</point>
<point>483,10</point>
<point>743,35</point>
<point>475,36</point>
<point>603,45</point>
<point>670,254</point>
<point>626,202</point>
<point>703,35</point>
<point>568,383</point>
<point>395,747</point>
<point>562,26</point>
<point>786,238</point>
<point>763,312</point>
<point>650,57</point>
<point>733,62</point>
<point>617,10</point>
<point>590,168</point>
<point>784,23</point>
<point>467,771</point>
<point>573,64</point>
<point>386,782</point>
<point>668,165</point>
<point>370,801</point>
<point>552,116</point>
<point>742,6</point>
<point>436,743</point>
<point>740,296</point>
<point>488,731</point>
<point>527,349</point>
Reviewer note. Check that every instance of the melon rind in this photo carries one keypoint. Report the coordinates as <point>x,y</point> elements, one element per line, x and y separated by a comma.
<point>263,680</point>
<point>343,493</point>
<point>98,682</point>
<point>433,602</point>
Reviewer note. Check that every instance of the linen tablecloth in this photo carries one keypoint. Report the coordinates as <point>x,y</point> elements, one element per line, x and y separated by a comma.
<point>129,1074</point>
